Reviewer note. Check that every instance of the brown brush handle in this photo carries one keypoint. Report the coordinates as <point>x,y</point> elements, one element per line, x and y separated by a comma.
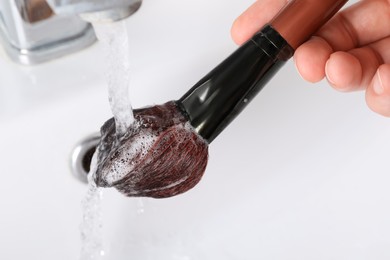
<point>300,19</point>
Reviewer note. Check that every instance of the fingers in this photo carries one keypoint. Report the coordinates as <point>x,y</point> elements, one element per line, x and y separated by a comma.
<point>346,71</point>
<point>360,24</point>
<point>362,68</point>
<point>378,92</point>
<point>359,37</point>
<point>254,18</point>
<point>311,57</point>
<point>353,70</point>
<point>316,59</point>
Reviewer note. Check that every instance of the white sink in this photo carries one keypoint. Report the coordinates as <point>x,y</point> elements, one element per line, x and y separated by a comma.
<point>302,173</point>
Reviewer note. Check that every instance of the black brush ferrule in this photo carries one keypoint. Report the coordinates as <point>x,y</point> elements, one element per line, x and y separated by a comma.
<point>213,102</point>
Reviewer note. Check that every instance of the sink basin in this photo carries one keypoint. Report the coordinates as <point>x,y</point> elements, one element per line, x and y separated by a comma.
<point>302,173</point>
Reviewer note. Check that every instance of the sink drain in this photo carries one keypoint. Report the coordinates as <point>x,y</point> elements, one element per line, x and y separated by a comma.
<point>82,155</point>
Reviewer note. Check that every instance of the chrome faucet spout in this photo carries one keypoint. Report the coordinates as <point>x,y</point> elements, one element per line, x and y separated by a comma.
<point>96,10</point>
<point>35,31</point>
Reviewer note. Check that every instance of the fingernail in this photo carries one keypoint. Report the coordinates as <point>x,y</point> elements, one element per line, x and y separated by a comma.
<point>327,73</point>
<point>296,68</point>
<point>377,84</point>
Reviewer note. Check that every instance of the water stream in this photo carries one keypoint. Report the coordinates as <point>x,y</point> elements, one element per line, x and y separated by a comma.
<point>92,225</point>
<point>114,38</point>
<point>115,41</point>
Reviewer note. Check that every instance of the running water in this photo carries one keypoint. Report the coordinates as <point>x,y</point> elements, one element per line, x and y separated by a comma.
<point>115,41</point>
<point>114,38</point>
<point>91,226</point>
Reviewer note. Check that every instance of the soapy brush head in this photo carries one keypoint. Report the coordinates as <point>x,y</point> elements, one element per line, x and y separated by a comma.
<point>160,156</point>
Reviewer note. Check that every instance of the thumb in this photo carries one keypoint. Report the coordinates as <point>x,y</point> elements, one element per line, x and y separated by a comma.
<point>254,18</point>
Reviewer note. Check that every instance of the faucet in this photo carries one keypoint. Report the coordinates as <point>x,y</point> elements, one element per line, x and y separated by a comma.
<point>97,10</point>
<point>35,31</point>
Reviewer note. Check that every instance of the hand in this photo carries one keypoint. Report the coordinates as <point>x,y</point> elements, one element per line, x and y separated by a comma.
<point>352,50</point>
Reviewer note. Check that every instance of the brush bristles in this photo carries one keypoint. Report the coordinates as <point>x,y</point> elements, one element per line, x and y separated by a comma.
<point>161,156</point>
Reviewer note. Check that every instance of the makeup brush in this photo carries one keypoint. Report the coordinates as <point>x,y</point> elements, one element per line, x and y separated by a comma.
<point>165,152</point>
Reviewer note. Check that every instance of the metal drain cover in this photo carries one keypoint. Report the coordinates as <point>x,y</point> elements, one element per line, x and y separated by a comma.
<point>82,155</point>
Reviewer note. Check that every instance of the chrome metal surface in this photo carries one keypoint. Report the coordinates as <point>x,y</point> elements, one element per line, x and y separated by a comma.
<point>111,15</point>
<point>82,155</point>
<point>35,31</point>
<point>31,33</point>
<point>108,10</point>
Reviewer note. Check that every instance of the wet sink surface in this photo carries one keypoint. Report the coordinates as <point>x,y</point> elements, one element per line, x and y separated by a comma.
<point>303,173</point>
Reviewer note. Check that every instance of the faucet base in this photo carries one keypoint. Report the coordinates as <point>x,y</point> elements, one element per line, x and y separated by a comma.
<point>50,50</point>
